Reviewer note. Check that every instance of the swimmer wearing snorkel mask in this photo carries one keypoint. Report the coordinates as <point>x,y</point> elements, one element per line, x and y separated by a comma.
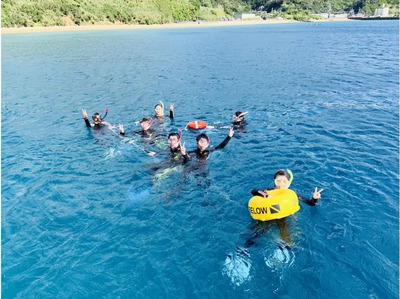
<point>282,180</point>
<point>238,119</point>
<point>201,153</point>
<point>98,121</point>
<point>159,110</point>
<point>145,131</point>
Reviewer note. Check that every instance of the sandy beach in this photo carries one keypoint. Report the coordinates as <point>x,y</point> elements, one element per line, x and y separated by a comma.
<point>162,26</point>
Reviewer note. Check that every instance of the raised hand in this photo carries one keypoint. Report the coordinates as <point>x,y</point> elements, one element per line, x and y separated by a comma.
<point>84,114</point>
<point>231,132</point>
<point>183,148</point>
<point>265,194</point>
<point>317,194</point>
<point>171,107</point>
<point>121,128</point>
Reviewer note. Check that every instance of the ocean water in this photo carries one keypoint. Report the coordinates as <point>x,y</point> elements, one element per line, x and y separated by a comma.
<point>85,215</point>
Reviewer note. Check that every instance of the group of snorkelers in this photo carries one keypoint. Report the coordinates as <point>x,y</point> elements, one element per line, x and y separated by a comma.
<point>177,149</point>
<point>178,153</point>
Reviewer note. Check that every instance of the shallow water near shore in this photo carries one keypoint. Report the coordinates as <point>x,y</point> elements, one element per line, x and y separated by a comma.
<point>85,215</point>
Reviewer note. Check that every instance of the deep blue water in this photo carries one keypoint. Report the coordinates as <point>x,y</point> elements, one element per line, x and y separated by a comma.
<point>83,216</point>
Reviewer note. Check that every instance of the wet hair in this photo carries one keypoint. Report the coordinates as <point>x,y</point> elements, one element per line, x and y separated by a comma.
<point>237,113</point>
<point>96,114</point>
<point>281,172</point>
<point>202,135</point>
<point>144,119</point>
<point>174,134</point>
<point>157,105</point>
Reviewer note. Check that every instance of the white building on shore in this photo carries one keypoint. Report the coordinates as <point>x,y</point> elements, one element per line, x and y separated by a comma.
<point>382,12</point>
<point>243,16</point>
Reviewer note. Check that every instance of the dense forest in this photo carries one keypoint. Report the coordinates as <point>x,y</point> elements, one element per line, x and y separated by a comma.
<point>85,12</point>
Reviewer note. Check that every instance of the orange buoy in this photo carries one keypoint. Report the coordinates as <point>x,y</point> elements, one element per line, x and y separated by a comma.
<point>197,124</point>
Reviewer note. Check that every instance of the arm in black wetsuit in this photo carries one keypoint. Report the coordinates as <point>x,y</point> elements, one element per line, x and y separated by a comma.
<point>195,153</point>
<point>223,143</point>
<point>140,132</point>
<point>87,122</point>
<point>171,111</point>
<point>310,202</point>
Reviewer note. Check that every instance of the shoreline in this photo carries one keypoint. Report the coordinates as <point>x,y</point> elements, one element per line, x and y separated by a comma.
<point>17,30</point>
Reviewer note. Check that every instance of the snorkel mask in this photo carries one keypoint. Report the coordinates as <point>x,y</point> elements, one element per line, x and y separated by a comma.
<point>144,120</point>
<point>162,108</point>
<point>97,119</point>
<point>207,142</point>
<point>276,181</point>
<point>239,117</point>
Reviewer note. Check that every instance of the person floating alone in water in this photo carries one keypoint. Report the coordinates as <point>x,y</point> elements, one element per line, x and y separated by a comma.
<point>259,228</point>
<point>238,119</point>
<point>98,121</point>
<point>282,180</point>
<point>238,122</point>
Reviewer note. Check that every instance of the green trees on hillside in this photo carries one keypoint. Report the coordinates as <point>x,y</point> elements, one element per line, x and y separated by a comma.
<point>83,12</point>
<point>56,12</point>
<point>319,6</point>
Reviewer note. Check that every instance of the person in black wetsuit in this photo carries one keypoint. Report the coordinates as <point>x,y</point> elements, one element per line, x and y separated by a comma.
<point>159,109</point>
<point>238,122</point>
<point>146,133</point>
<point>174,140</point>
<point>174,151</point>
<point>201,153</point>
<point>199,167</point>
<point>238,119</point>
<point>282,181</point>
<point>98,122</point>
<point>175,157</point>
<point>159,118</point>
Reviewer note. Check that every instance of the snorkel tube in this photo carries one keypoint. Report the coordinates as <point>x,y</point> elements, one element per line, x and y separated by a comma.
<point>290,177</point>
<point>151,122</point>
<point>105,114</point>
<point>162,105</point>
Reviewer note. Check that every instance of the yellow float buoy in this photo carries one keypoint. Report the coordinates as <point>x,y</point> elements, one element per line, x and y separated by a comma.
<point>280,203</point>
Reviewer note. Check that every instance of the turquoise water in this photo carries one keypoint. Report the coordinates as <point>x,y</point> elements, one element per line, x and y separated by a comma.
<point>83,215</point>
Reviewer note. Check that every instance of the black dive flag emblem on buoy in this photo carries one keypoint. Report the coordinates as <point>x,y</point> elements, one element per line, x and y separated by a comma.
<point>275,209</point>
